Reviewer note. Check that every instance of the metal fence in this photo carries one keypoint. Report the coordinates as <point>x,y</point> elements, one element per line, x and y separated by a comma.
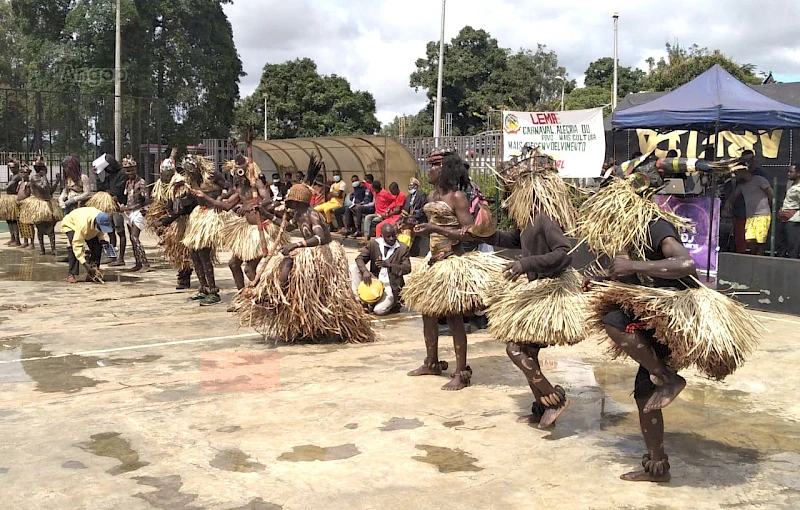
<point>54,124</point>
<point>482,152</point>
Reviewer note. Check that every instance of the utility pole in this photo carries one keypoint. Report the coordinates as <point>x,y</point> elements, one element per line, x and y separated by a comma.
<point>437,116</point>
<point>616,61</point>
<point>118,88</point>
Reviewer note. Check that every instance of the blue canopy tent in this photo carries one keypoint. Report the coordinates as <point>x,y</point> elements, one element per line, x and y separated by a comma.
<point>713,101</point>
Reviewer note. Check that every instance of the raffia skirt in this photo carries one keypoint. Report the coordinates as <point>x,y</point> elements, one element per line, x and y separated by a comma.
<point>548,311</point>
<point>243,240</point>
<point>702,327</point>
<point>34,211</point>
<point>104,202</point>
<point>457,285</point>
<point>156,212</point>
<point>205,228</point>
<point>9,211</point>
<point>317,304</point>
<point>172,247</point>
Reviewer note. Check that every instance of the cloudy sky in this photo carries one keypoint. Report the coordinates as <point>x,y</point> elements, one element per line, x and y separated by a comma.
<point>374,43</point>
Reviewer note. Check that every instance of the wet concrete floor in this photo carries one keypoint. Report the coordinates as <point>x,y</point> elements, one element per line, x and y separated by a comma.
<point>111,396</point>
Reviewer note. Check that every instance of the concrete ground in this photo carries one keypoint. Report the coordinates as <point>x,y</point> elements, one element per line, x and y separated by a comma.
<point>128,396</point>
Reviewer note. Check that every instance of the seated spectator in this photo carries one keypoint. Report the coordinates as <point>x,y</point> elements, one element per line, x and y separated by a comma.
<point>335,198</point>
<point>383,200</point>
<point>277,190</point>
<point>389,261</point>
<point>396,209</point>
<point>354,210</point>
<point>409,213</point>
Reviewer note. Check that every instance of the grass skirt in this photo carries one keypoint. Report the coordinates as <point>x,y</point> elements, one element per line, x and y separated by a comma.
<point>172,246</point>
<point>457,285</point>
<point>34,210</point>
<point>104,202</point>
<point>58,213</point>
<point>9,211</point>
<point>548,311</point>
<point>204,228</point>
<point>156,212</point>
<point>243,240</point>
<point>701,326</point>
<point>318,303</point>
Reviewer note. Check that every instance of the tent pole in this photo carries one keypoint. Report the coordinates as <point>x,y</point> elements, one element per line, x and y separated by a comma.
<point>713,199</point>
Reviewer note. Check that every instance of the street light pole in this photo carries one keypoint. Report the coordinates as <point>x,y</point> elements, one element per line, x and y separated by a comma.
<point>118,88</point>
<point>563,84</point>
<point>616,61</point>
<point>437,116</point>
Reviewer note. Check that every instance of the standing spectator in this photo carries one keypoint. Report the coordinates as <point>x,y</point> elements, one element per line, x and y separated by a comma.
<point>335,198</point>
<point>757,194</point>
<point>790,215</point>
<point>393,215</point>
<point>389,261</point>
<point>413,213</point>
<point>383,201</point>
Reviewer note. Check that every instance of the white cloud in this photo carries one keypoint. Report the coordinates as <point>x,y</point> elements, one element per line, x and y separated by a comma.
<point>375,43</point>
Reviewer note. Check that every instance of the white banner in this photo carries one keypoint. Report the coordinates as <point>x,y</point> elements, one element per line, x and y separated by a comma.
<point>575,139</point>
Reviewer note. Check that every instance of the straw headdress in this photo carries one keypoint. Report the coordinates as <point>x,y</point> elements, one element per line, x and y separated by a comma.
<point>536,188</point>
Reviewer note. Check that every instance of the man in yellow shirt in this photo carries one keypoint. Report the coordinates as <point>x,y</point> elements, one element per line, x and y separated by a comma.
<point>336,199</point>
<point>85,226</point>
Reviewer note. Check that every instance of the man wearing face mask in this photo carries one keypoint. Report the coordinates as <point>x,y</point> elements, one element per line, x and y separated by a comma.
<point>277,190</point>
<point>336,199</point>
<point>351,214</point>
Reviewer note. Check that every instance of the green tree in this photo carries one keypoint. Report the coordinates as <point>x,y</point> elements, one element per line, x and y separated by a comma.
<point>682,65</point>
<point>588,97</point>
<point>416,126</point>
<point>178,56</point>
<point>480,76</point>
<point>303,103</point>
<point>600,73</point>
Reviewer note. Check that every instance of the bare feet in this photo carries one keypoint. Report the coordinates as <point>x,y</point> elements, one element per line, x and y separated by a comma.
<point>24,245</point>
<point>144,269</point>
<point>135,268</point>
<point>429,369</point>
<point>643,476</point>
<point>71,279</point>
<point>551,415</point>
<point>459,380</point>
<point>117,263</point>
<point>664,395</point>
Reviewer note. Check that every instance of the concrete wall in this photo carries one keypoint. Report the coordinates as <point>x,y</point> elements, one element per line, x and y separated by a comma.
<point>773,280</point>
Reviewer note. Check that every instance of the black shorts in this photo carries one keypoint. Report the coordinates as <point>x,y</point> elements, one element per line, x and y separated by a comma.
<point>643,386</point>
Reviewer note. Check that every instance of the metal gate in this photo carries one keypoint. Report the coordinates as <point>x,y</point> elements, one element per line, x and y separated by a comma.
<point>55,124</point>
